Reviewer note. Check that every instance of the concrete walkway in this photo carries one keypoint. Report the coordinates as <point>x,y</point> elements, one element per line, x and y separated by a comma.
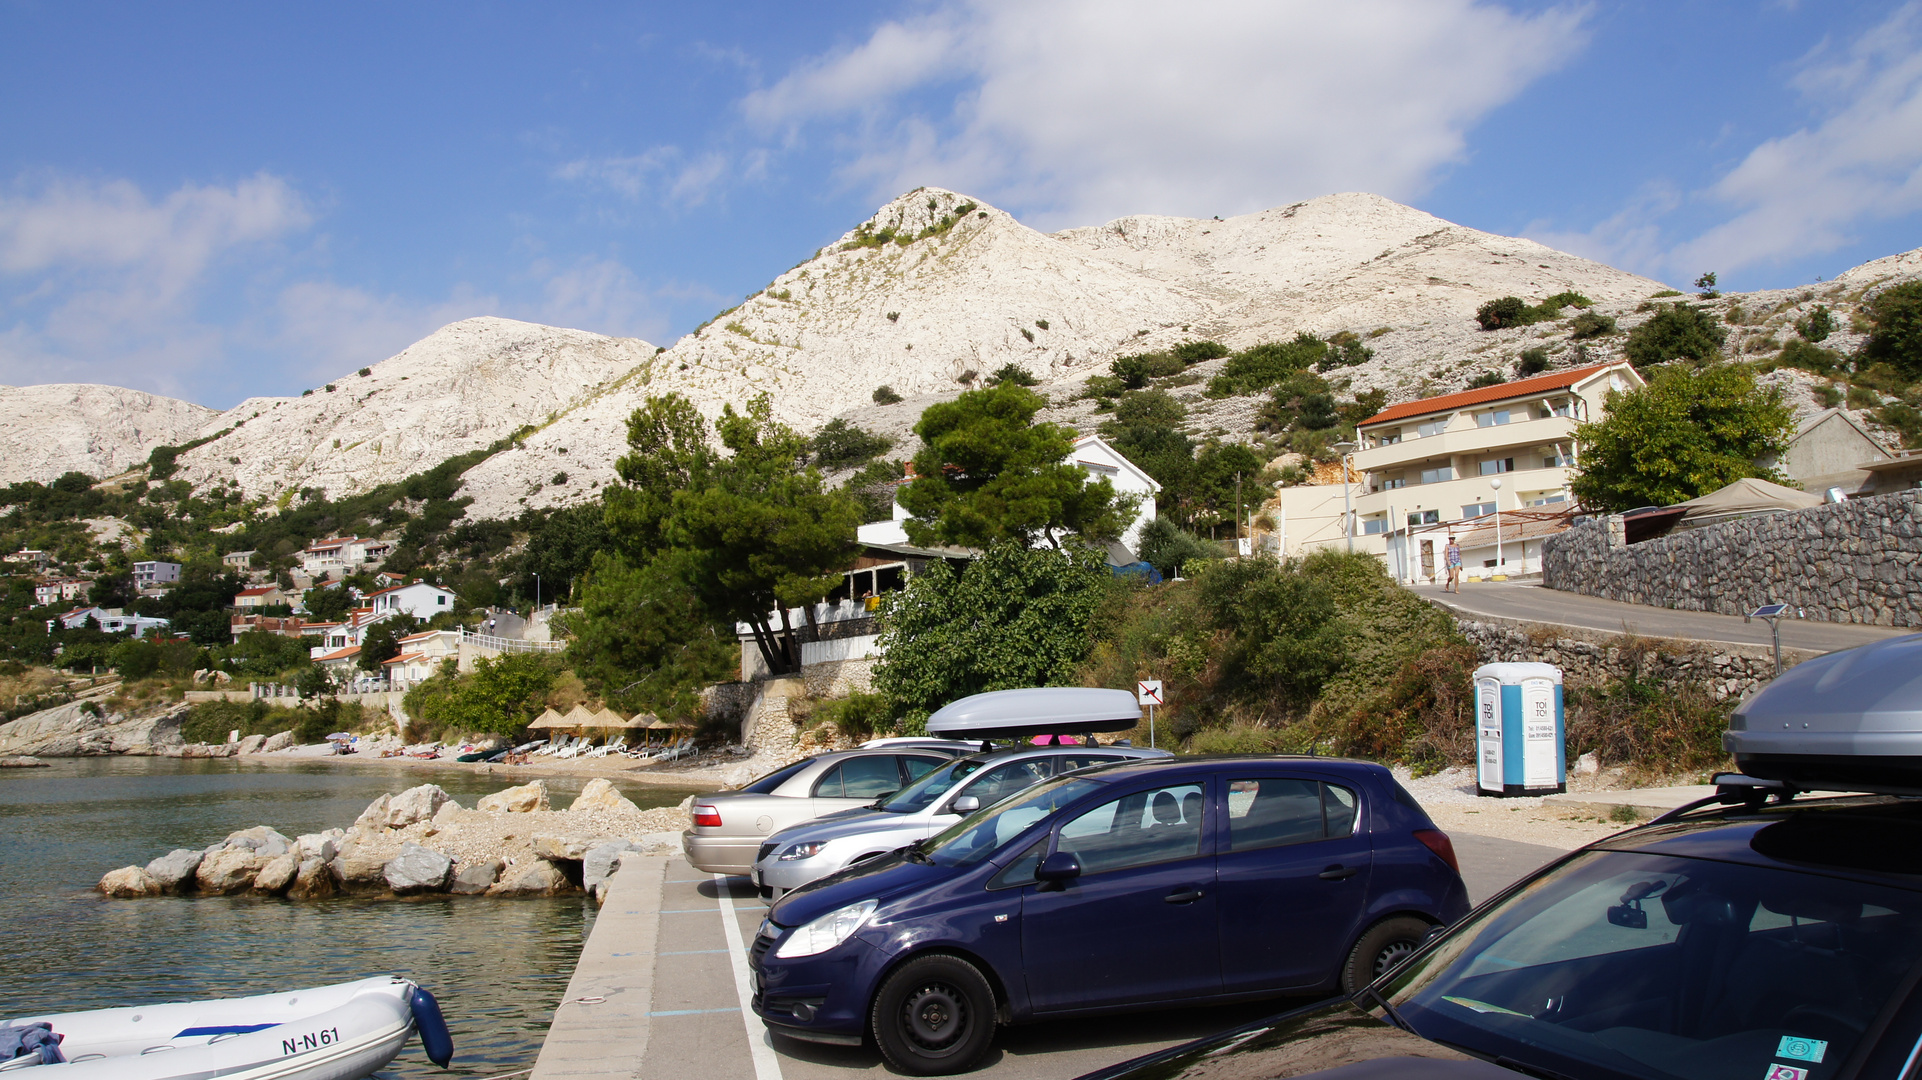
<point>1527,602</point>
<point>662,990</point>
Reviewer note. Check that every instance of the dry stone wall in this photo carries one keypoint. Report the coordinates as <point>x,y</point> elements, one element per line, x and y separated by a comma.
<point>1859,561</point>
<point>1722,673</point>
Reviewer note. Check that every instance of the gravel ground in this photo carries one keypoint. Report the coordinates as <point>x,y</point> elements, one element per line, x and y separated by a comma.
<point>1449,797</point>
<point>471,835</point>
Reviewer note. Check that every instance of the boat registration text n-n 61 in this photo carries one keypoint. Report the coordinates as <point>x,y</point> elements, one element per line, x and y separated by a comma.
<point>313,1040</point>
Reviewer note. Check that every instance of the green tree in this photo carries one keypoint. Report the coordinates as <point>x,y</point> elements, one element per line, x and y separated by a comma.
<point>1687,433</point>
<point>1284,637</point>
<point>1169,548</point>
<point>326,605</point>
<point>1706,285</point>
<point>501,696</point>
<point>841,445</point>
<point>381,642</point>
<point>1257,368</point>
<point>758,532</point>
<point>1012,372</point>
<point>987,473</point>
<point>1013,617</point>
<point>1817,325</point>
<point>1676,332</point>
<point>1895,336</point>
<point>643,642</point>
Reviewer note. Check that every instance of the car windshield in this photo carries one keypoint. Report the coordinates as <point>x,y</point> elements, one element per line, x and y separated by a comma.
<point>922,793</point>
<point>1645,965</point>
<point>768,783</point>
<point>982,833</point>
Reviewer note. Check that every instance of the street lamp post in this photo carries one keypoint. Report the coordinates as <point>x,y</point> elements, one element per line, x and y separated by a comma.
<point>1501,566</point>
<point>537,594</point>
<point>1347,509</point>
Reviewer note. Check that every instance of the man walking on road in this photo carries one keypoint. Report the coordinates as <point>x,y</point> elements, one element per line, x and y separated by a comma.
<point>1452,557</point>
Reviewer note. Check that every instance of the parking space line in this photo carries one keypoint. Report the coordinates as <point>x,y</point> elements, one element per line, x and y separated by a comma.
<point>692,952</point>
<point>692,1012</point>
<point>766,1065</point>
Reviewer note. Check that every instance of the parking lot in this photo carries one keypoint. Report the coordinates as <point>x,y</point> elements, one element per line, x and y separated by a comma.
<point>662,988</point>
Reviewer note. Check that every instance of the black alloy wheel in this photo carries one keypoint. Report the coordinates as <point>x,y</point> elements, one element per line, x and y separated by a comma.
<point>934,1016</point>
<point>1386,944</point>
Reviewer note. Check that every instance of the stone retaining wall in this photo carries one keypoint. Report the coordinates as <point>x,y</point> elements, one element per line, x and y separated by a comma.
<point>1723,672</point>
<point>1858,561</point>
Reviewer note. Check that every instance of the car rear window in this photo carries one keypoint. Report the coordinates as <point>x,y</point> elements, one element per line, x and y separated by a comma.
<point>1274,811</point>
<point>766,784</point>
<point>1662,967</point>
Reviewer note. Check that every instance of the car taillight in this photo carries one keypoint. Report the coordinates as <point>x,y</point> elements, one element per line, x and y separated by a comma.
<point>710,817</point>
<point>1433,839</point>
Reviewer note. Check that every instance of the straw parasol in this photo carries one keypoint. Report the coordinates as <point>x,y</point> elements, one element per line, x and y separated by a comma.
<point>548,721</point>
<point>580,716</point>
<point>613,720</point>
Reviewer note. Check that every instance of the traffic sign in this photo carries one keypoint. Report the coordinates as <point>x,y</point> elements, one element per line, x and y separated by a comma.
<point>1148,691</point>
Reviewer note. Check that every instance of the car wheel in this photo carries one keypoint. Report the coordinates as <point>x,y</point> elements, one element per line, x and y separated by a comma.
<point>934,1016</point>
<point>1386,944</point>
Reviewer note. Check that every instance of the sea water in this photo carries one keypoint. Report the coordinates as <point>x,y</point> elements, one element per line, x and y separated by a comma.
<point>498,966</point>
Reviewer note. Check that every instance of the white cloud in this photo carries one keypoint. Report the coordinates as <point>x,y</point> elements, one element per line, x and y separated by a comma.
<point>665,174</point>
<point>1089,109</point>
<point>1812,190</point>
<point>334,329</point>
<point>1631,239</point>
<point>100,282</point>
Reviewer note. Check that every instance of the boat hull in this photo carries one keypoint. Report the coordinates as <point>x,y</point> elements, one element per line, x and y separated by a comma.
<point>341,1032</point>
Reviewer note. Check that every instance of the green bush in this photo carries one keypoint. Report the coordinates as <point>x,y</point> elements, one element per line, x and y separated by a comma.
<point>1169,549</point>
<point>1256,369</point>
<point>1502,313</point>
<point>1664,294</point>
<point>1590,324</point>
<point>1817,325</point>
<point>1149,407</point>
<point>1135,371</point>
<point>1344,350</point>
<point>885,395</point>
<point>1532,361</point>
<point>210,722</point>
<point>1677,331</point>
<point>1811,358</point>
<point>1012,373</point>
<point>1486,378</point>
<point>1245,738</point>
<point>1861,397</point>
<point>858,717</point>
<point>841,445</point>
<point>1567,299</point>
<point>1895,335</point>
<point>1194,352</point>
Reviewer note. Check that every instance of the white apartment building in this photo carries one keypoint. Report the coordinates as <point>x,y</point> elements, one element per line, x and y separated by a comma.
<point>149,574</point>
<point>342,554</point>
<point>1454,458</point>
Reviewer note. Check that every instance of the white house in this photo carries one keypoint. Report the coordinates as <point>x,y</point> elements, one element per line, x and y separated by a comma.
<point>111,620</point>
<point>419,599</point>
<point>149,574</point>
<point>341,554</point>
<point>1096,458</point>
<point>1454,460</point>
<point>421,655</point>
<point>52,592</point>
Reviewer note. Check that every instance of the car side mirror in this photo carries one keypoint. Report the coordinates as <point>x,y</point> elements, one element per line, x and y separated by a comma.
<point>966,804</point>
<point>1060,866</point>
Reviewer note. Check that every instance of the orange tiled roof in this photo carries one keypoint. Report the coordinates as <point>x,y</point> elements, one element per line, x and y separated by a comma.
<point>1520,388</point>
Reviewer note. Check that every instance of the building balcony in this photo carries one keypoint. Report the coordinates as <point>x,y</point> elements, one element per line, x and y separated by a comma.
<point>1463,438</point>
<point>1448,497</point>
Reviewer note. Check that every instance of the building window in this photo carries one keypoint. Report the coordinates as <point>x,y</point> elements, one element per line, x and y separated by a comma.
<point>1433,427</point>
<point>1374,526</point>
<point>1424,517</point>
<point>1553,461</point>
<point>1389,440</point>
<point>1397,482</point>
<point>442,600</point>
<point>1492,418</point>
<point>1475,510</point>
<point>1498,465</point>
<point>1436,476</point>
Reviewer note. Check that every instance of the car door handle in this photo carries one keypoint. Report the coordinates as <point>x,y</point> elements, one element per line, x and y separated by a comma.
<point>1185,896</point>
<point>1338,871</point>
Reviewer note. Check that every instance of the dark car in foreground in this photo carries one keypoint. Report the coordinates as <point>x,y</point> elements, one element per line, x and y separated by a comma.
<point>1127,886</point>
<point>1757,935</point>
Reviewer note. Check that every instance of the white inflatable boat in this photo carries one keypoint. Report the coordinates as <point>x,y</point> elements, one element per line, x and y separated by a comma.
<point>340,1032</point>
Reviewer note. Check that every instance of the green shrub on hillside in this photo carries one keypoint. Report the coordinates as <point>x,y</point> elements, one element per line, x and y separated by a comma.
<point>885,395</point>
<point>1817,325</point>
<point>1677,331</point>
<point>1256,369</point>
<point>1512,311</point>
<point>1895,337</point>
<point>1194,352</point>
<point>1811,358</point>
<point>1590,324</point>
<point>1532,361</point>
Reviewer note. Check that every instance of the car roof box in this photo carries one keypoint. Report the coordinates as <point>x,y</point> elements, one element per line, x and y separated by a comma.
<point>1040,710</point>
<point>1844,721</point>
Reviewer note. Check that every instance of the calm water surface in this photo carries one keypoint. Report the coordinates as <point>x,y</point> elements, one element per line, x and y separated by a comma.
<point>497,966</point>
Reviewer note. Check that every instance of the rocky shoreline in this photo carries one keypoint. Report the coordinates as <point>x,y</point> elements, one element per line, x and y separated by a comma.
<point>422,842</point>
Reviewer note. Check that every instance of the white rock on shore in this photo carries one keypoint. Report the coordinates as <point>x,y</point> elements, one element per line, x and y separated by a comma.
<point>525,799</point>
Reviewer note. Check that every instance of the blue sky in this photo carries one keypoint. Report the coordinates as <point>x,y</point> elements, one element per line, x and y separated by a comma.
<point>220,200</point>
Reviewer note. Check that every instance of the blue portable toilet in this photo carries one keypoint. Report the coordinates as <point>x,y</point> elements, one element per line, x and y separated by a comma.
<point>1519,733</point>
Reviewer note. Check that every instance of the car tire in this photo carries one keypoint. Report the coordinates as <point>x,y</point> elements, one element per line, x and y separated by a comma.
<point>1386,944</point>
<point>934,1016</point>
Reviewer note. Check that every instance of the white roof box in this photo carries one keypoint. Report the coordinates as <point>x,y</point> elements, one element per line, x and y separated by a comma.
<point>1846,721</point>
<point>1041,710</point>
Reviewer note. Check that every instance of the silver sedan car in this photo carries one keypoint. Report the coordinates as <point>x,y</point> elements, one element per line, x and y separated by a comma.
<point>797,855</point>
<point>729,825</point>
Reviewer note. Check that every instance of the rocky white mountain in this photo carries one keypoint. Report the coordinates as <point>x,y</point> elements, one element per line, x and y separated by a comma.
<point>461,388</point>
<point>98,430</point>
<point>972,289</point>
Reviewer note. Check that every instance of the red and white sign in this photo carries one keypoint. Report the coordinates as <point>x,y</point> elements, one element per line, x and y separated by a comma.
<point>1148,692</point>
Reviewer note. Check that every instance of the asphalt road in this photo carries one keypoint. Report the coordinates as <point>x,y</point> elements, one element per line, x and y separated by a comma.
<point>697,1030</point>
<point>1532,603</point>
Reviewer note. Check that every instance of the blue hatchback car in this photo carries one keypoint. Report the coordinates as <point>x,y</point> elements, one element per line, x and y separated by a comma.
<point>1136,885</point>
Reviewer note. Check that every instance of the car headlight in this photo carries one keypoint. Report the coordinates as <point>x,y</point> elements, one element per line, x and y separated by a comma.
<point>800,851</point>
<point>827,931</point>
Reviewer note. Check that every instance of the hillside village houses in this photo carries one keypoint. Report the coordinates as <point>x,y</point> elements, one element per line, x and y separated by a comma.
<point>154,573</point>
<point>111,620</point>
<point>59,589</point>
<point>843,625</point>
<point>339,555</point>
<point>31,557</point>
<point>261,596</point>
<point>1425,469</point>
